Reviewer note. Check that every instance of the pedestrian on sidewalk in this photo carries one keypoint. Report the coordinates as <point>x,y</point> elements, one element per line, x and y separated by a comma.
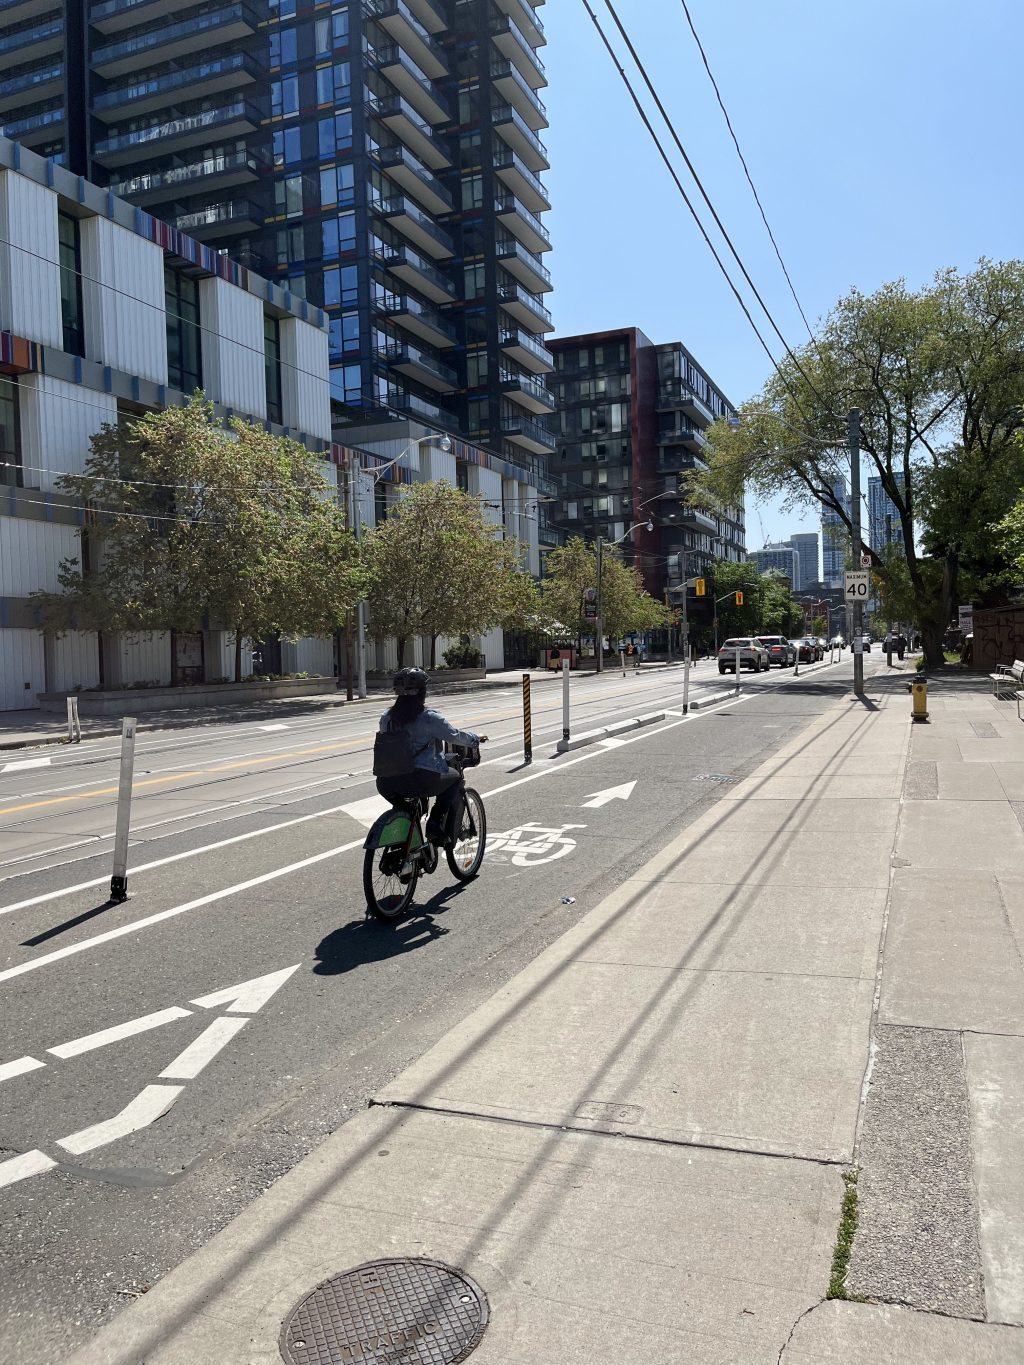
<point>901,645</point>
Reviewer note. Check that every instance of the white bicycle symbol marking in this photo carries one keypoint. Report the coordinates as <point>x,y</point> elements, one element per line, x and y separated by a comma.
<point>531,845</point>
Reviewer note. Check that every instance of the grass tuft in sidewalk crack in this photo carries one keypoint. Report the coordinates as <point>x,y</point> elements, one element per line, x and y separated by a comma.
<point>844,1242</point>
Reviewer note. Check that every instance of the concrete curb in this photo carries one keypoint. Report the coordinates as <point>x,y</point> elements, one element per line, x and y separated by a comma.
<point>565,746</point>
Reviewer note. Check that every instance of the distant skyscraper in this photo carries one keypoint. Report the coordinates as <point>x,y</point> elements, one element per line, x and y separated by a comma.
<point>835,537</point>
<point>779,556</point>
<point>805,555</point>
<point>880,506</point>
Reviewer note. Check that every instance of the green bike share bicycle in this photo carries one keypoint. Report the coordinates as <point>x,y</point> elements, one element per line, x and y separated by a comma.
<point>397,850</point>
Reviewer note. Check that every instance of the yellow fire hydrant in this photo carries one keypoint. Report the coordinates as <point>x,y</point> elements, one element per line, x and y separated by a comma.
<point>919,695</point>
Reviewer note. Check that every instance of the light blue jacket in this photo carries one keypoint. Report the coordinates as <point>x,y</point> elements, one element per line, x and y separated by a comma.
<point>427,734</point>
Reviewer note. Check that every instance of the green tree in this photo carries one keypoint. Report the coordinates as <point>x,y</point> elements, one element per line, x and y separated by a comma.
<point>196,525</point>
<point>439,568</point>
<point>625,604</point>
<point>939,378</point>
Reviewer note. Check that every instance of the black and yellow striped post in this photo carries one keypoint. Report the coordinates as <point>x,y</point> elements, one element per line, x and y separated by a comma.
<point>527,721</point>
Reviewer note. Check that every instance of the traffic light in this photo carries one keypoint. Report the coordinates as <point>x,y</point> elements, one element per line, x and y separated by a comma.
<point>739,599</point>
<point>698,584</point>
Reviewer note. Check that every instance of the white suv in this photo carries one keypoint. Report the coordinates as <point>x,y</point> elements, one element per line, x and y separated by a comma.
<point>753,655</point>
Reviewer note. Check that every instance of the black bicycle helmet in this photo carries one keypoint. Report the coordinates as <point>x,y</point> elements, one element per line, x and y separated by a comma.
<point>408,682</point>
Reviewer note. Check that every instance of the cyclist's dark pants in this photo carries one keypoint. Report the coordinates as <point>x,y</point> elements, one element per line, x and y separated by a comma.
<point>447,788</point>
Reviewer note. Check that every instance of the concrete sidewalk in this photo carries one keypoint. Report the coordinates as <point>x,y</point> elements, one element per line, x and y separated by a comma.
<point>636,1148</point>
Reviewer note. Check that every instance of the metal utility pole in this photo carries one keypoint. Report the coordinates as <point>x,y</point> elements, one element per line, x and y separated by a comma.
<point>853,438</point>
<point>599,623</point>
<point>357,524</point>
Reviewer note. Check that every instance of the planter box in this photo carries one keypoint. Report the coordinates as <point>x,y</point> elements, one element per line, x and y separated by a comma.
<point>138,701</point>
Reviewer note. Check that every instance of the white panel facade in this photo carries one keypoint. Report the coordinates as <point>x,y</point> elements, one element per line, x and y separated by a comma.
<point>220,656</point>
<point>76,662</point>
<point>30,554</point>
<point>486,484</point>
<point>233,351</point>
<point>493,646</point>
<point>22,670</point>
<point>436,465</point>
<point>123,300</point>
<point>57,421</point>
<point>305,381</point>
<point>308,656</point>
<point>29,261</point>
<point>146,659</point>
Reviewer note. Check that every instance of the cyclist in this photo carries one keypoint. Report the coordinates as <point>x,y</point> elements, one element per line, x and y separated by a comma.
<point>431,774</point>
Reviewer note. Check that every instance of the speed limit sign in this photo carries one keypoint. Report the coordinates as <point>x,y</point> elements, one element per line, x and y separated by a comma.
<point>856,585</point>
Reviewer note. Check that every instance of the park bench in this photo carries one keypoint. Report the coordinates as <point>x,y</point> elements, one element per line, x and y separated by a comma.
<point>1008,676</point>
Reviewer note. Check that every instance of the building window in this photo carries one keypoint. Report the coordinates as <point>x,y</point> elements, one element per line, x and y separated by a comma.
<point>272,365</point>
<point>380,502</point>
<point>184,347</point>
<point>10,445</point>
<point>69,246</point>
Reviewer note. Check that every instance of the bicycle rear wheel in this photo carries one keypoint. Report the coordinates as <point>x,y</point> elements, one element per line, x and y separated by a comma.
<point>465,858</point>
<point>388,893</point>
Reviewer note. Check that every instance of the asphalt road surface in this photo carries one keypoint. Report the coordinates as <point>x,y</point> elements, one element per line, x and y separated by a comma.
<point>164,1060</point>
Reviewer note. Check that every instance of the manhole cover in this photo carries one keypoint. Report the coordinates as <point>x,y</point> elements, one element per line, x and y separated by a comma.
<point>716,777</point>
<point>395,1312</point>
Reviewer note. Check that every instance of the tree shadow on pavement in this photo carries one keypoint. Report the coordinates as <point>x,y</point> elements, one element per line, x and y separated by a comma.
<point>366,940</point>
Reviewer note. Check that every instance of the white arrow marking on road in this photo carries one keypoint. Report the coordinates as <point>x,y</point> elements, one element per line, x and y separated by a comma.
<point>23,763</point>
<point>249,996</point>
<point>17,1168</point>
<point>600,799</point>
<point>145,1108</point>
<point>365,812</point>
<point>91,1041</point>
<point>188,1064</point>
<point>19,1067</point>
<point>273,727</point>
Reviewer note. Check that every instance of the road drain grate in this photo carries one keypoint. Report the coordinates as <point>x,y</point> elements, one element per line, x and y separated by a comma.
<point>716,777</point>
<point>415,1311</point>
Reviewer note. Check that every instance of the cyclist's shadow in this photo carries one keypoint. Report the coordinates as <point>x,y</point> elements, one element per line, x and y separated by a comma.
<point>368,940</point>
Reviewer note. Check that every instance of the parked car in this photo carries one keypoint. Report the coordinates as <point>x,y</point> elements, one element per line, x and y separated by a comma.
<point>780,650</point>
<point>804,649</point>
<point>753,655</point>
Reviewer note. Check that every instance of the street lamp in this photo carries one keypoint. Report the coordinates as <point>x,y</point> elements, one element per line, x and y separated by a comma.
<point>357,523</point>
<point>648,525</point>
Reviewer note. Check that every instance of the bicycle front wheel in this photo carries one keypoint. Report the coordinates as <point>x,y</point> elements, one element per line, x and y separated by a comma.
<point>465,858</point>
<point>388,893</point>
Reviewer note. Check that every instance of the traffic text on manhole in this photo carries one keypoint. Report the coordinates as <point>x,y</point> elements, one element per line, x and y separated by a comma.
<point>417,1311</point>
<point>716,777</point>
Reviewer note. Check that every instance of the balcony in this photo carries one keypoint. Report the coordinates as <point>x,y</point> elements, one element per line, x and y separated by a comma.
<point>429,15</point>
<point>678,393</point>
<point>221,220</point>
<point>14,11</point>
<point>412,405</point>
<point>675,459</point>
<point>420,365</point>
<point>399,22</point>
<point>407,171</point>
<point>510,85</point>
<point>401,119</point>
<point>697,520</point>
<point>38,40</point>
<point>527,351</point>
<point>526,226</point>
<point>530,435</point>
<point>524,265</point>
<point>219,171</point>
<point>520,137</point>
<point>521,180</point>
<point>525,17</point>
<point>412,268</point>
<point>525,307</point>
<point>412,82</point>
<point>209,26</point>
<point>420,319</point>
<point>514,47</point>
<point>113,16</point>
<point>684,434</point>
<point>189,83</point>
<point>528,392</point>
<point>32,87</point>
<point>416,224</point>
<point>35,130</point>
<point>231,120</point>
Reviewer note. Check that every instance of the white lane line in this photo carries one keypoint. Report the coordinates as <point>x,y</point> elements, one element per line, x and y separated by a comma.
<point>273,727</point>
<point>188,1064</point>
<point>138,924</point>
<point>611,743</point>
<point>17,1168</point>
<point>214,896</point>
<point>91,1041</point>
<point>148,1106</point>
<point>365,812</point>
<point>19,1067</point>
<point>171,858</point>
<point>23,763</point>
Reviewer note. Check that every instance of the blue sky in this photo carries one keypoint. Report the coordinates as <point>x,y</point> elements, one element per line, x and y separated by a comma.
<point>884,140</point>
